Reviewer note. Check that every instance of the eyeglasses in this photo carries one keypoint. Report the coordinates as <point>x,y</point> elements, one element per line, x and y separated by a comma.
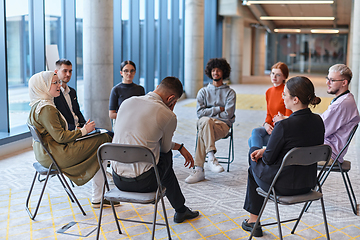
<point>129,71</point>
<point>333,80</point>
<point>57,82</point>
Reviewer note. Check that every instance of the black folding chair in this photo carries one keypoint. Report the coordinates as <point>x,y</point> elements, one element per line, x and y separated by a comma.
<point>128,154</point>
<point>303,156</point>
<point>343,168</point>
<point>52,170</point>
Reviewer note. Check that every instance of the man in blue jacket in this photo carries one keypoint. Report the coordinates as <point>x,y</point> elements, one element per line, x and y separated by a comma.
<point>67,102</point>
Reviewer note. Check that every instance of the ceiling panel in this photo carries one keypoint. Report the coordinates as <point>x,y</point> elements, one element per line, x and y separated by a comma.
<point>341,10</point>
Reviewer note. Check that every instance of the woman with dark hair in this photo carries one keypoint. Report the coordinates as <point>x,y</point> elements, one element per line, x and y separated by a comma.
<point>274,105</point>
<point>301,129</point>
<point>125,89</point>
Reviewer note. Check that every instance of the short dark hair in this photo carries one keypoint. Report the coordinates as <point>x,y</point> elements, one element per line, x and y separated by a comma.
<point>172,84</point>
<point>220,63</point>
<point>62,61</point>
<point>302,88</point>
<point>124,63</point>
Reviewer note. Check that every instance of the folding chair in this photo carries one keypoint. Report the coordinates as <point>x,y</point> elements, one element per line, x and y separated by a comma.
<point>343,168</point>
<point>51,171</point>
<point>303,156</point>
<point>231,155</point>
<point>126,153</point>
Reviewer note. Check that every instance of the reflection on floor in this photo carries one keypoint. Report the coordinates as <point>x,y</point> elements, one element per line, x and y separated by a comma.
<point>219,198</point>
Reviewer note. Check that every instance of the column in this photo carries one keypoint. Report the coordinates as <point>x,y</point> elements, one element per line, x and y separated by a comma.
<point>258,66</point>
<point>98,60</point>
<point>236,50</point>
<point>194,47</point>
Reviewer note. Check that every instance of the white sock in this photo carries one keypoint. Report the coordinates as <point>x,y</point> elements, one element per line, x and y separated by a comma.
<point>198,168</point>
<point>211,156</point>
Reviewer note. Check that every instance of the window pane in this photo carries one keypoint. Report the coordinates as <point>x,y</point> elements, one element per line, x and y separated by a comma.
<point>125,29</point>
<point>18,66</point>
<point>53,24</point>
<point>79,53</point>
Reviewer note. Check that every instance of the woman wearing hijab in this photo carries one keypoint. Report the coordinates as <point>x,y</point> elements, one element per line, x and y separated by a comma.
<point>77,159</point>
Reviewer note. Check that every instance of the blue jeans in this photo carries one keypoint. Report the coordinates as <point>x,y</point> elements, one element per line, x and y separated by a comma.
<point>259,138</point>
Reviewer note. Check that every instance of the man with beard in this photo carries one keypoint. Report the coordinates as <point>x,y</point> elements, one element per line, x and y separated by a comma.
<point>216,112</point>
<point>67,102</point>
<point>342,114</point>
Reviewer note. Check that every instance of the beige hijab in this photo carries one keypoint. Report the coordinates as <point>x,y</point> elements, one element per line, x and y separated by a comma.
<point>39,86</point>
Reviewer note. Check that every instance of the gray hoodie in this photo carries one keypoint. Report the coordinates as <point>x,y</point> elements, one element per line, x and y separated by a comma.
<point>211,98</point>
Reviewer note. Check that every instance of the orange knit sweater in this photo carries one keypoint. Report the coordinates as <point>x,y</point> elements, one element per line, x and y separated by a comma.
<point>275,103</point>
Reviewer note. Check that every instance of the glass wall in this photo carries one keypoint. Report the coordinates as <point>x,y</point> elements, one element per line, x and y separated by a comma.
<point>310,53</point>
<point>79,52</point>
<point>18,60</point>
<point>149,32</point>
<point>53,29</point>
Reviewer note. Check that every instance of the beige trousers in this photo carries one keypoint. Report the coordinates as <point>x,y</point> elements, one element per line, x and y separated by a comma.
<point>209,131</point>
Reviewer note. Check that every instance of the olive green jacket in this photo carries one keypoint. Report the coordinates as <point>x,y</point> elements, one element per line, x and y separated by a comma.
<point>77,159</point>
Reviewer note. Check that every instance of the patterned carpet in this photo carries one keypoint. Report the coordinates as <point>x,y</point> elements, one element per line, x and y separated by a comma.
<point>219,198</point>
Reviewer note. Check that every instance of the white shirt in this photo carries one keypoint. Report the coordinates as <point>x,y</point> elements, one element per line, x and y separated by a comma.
<point>67,97</point>
<point>146,121</point>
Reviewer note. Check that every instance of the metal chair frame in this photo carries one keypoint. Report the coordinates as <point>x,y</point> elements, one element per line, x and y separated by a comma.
<point>231,155</point>
<point>51,171</point>
<point>343,168</point>
<point>126,153</point>
<point>297,156</point>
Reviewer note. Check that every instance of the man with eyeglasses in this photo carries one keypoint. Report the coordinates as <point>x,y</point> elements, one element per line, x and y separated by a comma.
<point>67,102</point>
<point>342,114</point>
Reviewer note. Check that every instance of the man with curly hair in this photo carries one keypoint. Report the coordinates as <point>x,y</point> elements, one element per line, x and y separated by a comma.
<point>216,112</point>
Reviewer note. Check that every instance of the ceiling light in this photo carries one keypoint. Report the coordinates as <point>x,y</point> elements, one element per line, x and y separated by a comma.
<point>287,30</point>
<point>298,18</point>
<point>288,2</point>
<point>333,31</point>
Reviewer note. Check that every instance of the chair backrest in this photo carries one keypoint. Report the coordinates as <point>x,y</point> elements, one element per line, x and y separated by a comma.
<point>37,138</point>
<point>125,153</point>
<point>352,133</point>
<point>305,156</point>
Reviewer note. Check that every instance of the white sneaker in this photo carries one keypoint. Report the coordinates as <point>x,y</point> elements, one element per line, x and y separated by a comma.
<point>196,175</point>
<point>215,166</point>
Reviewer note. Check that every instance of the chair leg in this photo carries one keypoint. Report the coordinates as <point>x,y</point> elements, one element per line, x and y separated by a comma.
<point>259,216</point>
<point>278,218</point>
<point>27,207</point>
<point>154,219</point>
<point>325,220</point>
<point>67,188</point>
<point>165,216</point>
<point>306,205</point>
<point>350,191</point>
<point>99,221</point>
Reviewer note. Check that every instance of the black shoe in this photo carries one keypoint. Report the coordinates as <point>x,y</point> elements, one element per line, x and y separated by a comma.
<point>105,204</point>
<point>249,227</point>
<point>188,214</point>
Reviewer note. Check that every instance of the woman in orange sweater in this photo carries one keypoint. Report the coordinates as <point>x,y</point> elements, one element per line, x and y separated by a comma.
<point>275,105</point>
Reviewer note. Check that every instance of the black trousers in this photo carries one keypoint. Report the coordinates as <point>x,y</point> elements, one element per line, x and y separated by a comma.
<point>253,201</point>
<point>148,183</point>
